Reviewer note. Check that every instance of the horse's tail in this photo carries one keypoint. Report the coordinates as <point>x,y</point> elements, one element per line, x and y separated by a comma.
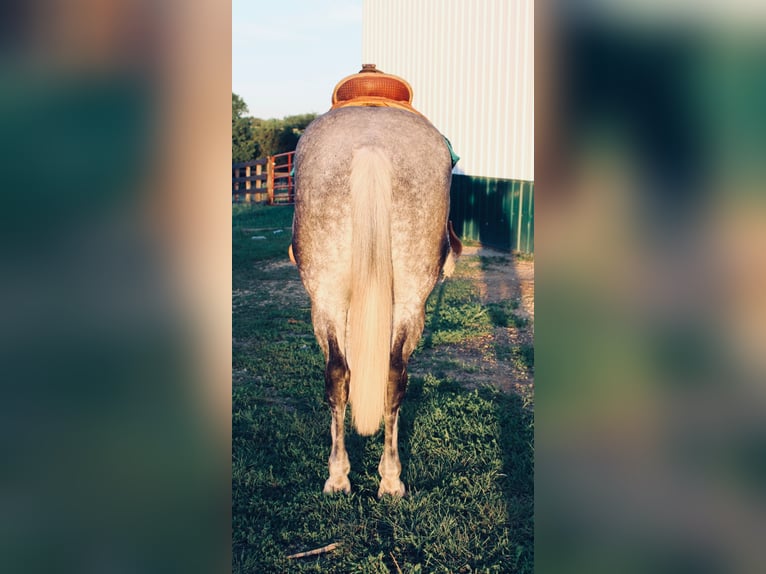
<point>371,305</point>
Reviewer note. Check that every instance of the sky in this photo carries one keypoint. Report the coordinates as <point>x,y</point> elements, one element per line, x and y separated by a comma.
<point>288,56</point>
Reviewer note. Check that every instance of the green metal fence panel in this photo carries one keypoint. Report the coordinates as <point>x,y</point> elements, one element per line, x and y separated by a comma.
<point>498,213</point>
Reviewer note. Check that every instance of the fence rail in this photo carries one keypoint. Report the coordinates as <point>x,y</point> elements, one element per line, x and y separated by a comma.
<point>266,180</point>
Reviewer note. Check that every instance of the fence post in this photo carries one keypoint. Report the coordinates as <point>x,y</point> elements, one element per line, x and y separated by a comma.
<point>270,179</point>
<point>248,197</point>
<point>258,182</point>
<point>290,186</point>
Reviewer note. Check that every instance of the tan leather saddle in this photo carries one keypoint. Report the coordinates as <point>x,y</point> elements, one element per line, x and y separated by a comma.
<point>371,87</point>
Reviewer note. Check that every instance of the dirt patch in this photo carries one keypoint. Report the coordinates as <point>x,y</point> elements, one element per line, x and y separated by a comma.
<point>501,277</point>
<point>285,289</point>
<point>282,292</point>
<point>505,357</point>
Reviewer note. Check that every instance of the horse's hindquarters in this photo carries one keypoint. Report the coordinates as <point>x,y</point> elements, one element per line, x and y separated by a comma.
<point>372,193</point>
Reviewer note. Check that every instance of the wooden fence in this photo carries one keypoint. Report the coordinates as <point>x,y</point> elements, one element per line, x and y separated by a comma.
<point>267,180</point>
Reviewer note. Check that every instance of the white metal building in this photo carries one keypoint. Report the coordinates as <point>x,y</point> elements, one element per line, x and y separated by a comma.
<point>471,67</point>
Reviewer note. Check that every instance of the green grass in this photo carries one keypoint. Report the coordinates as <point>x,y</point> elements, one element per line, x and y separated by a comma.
<point>467,456</point>
<point>249,221</point>
<point>454,313</point>
<point>502,314</point>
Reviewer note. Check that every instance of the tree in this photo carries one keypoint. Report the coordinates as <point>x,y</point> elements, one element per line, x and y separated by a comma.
<point>266,135</point>
<point>253,138</point>
<point>279,136</point>
<point>292,129</point>
<point>243,146</point>
<point>238,107</point>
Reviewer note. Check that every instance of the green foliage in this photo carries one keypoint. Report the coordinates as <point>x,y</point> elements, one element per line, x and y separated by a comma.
<point>502,314</point>
<point>467,456</point>
<point>238,107</point>
<point>279,136</point>
<point>243,145</point>
<point>526,354</point>
<point>253,138</point>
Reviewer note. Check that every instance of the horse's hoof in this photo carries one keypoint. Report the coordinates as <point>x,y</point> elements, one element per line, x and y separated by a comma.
<point>392,487</point>
<point>337,485</point>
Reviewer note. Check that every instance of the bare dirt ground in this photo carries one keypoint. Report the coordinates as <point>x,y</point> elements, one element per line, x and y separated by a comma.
<point>495,359</point>
<point>501,359</point>
<point>505,278</point>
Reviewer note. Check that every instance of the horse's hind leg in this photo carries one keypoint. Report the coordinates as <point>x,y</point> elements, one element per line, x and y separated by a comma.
<point>390,467</point>
<point>336,390</point>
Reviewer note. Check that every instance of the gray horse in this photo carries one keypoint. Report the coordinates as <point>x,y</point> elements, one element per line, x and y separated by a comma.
<point>370,237</point>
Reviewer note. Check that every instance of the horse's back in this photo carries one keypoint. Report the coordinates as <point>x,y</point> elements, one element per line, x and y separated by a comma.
<point>409,139</point>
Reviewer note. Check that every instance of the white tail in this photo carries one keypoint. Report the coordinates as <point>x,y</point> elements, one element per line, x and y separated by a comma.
<point>371,305</point>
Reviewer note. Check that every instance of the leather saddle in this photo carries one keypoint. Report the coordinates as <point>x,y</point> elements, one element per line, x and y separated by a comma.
<point>371,87</point>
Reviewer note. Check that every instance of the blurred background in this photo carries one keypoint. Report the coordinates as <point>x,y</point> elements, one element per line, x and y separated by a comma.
<point>115,313</point>
<point>651,287</point>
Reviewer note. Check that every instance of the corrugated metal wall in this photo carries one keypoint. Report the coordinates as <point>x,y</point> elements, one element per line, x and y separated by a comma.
<point>498,213</point>
<point>471,66</point>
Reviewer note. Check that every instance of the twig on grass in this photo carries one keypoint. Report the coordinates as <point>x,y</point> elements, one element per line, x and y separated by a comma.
<point>316,551</point>
<point>399,570</point>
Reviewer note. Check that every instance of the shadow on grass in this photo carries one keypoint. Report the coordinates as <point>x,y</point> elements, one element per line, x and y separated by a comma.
<point>427,341</point>
<point>469,457</point>
<point>517,447</point>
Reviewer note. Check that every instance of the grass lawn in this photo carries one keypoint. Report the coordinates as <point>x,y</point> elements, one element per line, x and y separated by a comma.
<point>467,455</point>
